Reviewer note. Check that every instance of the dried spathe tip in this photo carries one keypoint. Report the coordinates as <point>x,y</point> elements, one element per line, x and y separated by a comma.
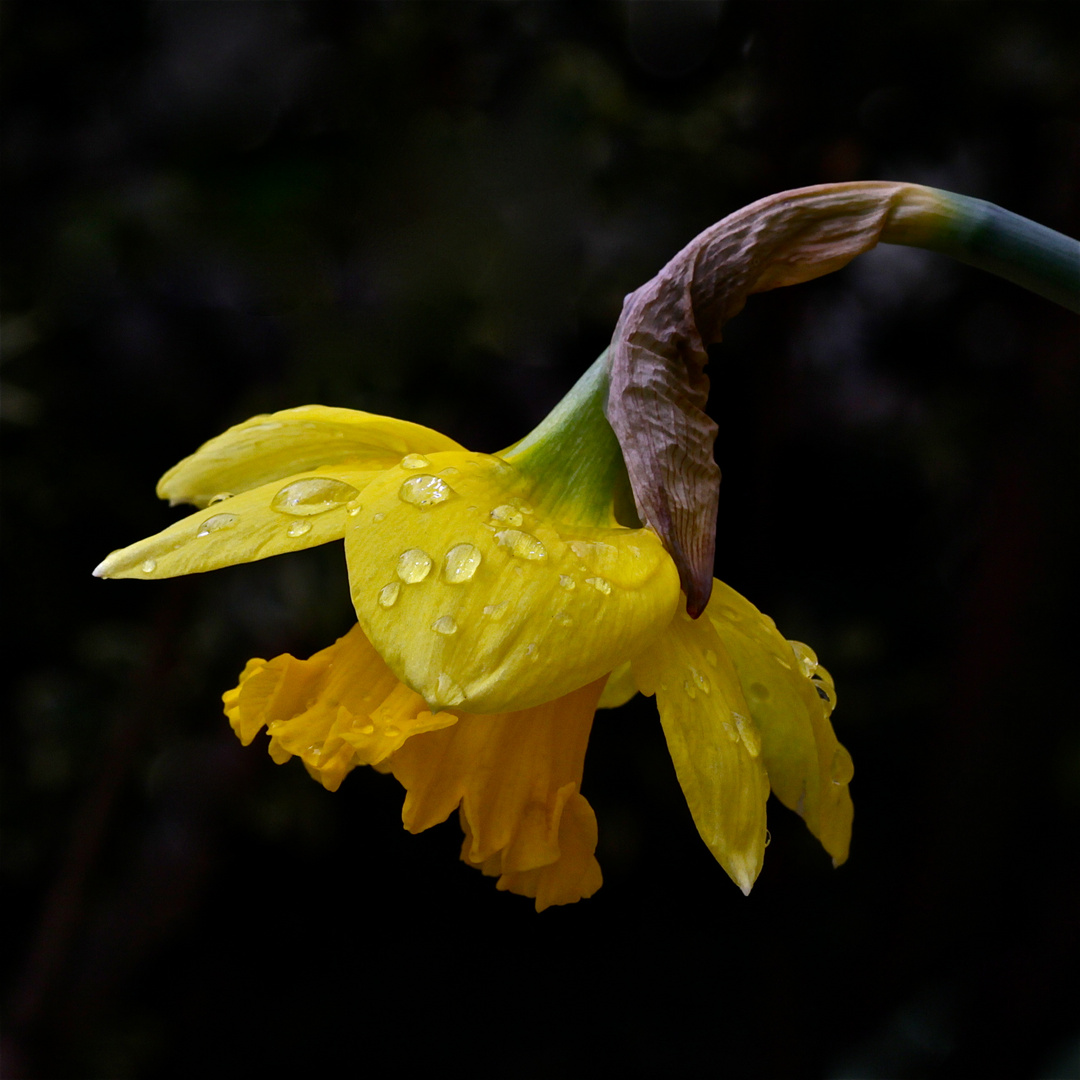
<point>658,389</point>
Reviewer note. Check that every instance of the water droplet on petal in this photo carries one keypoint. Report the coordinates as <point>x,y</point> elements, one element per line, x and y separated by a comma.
<point>843,768</point>
<point>424,491</point>
<point>710,657</point>
<point>353,507</point>
<point>388,594</point>
<point>298,528</point>
<point>413,566</point>
<point>497,611</point>
<point>444,625</point>
<point>376,518</point>
<point>391,731</point>
<point>749,734</point>
<point>509,515</point>
<point>688,687</point>
<point>312,495</point>
<point>449,471</point>
<point>218,521</point>
<point>599,584</point>
<point>522,544</point>
<point>806,656</point>
<point>461,562</point>
<point>700,681</point>
<point>730,730</point>
<point>414,461</point>
<point>315,749</point>
<point>221,496</point>
<point>567,582</point>
<point>367,729</point>
<point>149,566</point>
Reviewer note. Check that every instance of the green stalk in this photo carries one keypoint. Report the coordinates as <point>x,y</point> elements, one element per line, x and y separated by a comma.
<point>984,235</point>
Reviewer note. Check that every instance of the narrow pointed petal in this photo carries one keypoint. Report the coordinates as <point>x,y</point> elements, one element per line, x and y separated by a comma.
<point>713,741</point>
<point>339,709</point>
<point>296,512</point>
<point>275,445</point>
<point>478,602</point>
<point>515,777</point>
<point>790,697</point>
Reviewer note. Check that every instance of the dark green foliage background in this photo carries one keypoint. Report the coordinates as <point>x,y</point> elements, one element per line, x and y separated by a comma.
<point>433,211</point>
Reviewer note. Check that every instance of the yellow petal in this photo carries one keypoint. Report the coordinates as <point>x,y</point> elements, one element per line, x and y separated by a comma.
<point>790,698</point>
<point>295,441</point>
<point>620,687</point>
<point>296,512</point>
<point>713,741</point>
<point>339,709</point>
<point>515,777</point>
<point>479,603</point>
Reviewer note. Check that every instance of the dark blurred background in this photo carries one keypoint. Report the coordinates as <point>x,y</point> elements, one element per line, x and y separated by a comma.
<point>433,211</point>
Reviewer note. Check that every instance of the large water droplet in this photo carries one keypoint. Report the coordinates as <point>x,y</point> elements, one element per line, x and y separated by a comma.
<point>149,566</point>
<point>599,584</point>
<point>388,594</point>
<point>413,565</point>
<point>298,528</point>
<point>218,521</point>
<point>462,561</point>
<point>353,507</point>
<point>425,491</point>
<point>509,515</point>
<point>414,461</point>
<point>843,768</point>
<point>312,495</point>
<point>221,496</point>
<point>444,625</point>
<point>522,544</point>
<point>806,656</point>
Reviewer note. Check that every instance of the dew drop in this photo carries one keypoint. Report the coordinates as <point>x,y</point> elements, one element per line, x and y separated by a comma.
<point>149,566</point>
<point>315,749</point>
<point>218,521</point>
<point>444,625</point>
<point>449,471</point>
<point>376,518</point>
<point>730,730</point>
<point>353,507</point>
<point>599,584</point>
<point>496,611</point>
<point>710,657</point>
<point>688,686</point>
<point>700,681</point>
<point>414,461</point>
<point>508,515</point>
<point>522,544</point>
<point>388,594</point>
<point>413,566</point>
<point>567,582</point>
<point>367,729</point>
<point>425,491</point>
<point>462,561</point>
<point>806,656</point>
<point>221,496</point>
<point>298,528</point>
<point>843,768</point>
<point>749,734</point>
<point>391,731</point>
<point>312,495</point>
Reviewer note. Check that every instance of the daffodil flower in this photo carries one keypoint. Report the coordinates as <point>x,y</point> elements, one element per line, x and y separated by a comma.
<point>500,599</point>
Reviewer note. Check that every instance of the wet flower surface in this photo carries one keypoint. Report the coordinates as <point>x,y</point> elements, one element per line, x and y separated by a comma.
<point>498,606</point>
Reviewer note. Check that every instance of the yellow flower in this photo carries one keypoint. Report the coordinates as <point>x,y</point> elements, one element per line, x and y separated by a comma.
<point>499,602</point>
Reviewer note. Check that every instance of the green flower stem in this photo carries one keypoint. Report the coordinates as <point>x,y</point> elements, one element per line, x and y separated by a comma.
<point>984,235</point>
<point>573,455</point>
